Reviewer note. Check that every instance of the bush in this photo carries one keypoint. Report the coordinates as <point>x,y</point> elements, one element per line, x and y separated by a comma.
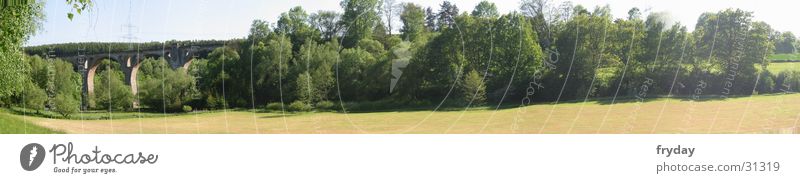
<point>211,102</point>
<point>473,89</point>
<point>65,105</point>
<point>187,108</point>
<point>299,106</point>
<point>34,97</point>
<point>325,105</point>
<point>274,106</point>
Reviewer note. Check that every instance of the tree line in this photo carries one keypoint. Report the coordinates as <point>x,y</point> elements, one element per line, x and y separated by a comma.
<point>544,52</point>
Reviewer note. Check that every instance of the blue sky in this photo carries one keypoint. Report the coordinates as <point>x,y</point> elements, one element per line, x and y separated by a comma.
<point>159,20</point>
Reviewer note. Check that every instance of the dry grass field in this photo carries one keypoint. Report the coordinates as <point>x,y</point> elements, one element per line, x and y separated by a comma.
<point>758,114</point>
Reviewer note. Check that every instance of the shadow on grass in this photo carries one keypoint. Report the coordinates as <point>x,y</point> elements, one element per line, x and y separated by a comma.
<point>97,115</point>
<point>511,105</point>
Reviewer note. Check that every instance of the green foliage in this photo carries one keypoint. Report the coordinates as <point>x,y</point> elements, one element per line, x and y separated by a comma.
<point>304,89</point>
<point>413,19</point>
<point>186,108</point>
<point>162,88</point>
<point>274,106</point>
<point>446,17</point>
<point>295,24</point>
<point>358,19</point>
<point>218,75</point>
<point>33,97</point>
<point>765,83</point>
<point>327,22</point>
<point>79,6</point>
<point>299,106</point>
<point>110,91</point>
<point>66,105</point>
<point>313,65</point>
<point>785,43</point>
<point>18,23</point>
<point>325,105</point>
<point>485,9</point>
<point>572,51</point>
<point>352,72</point>
<point>272,59</point>
<point>787,81</point>
<point>473,89</point>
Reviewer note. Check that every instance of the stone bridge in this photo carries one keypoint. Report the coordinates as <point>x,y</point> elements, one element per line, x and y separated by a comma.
<point>129,61</point>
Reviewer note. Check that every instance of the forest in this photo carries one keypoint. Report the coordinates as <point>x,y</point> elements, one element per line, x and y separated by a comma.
<point>352,60</point>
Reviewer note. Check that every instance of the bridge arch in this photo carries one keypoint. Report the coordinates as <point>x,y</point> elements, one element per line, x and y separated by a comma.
<point>91,71</point>
<point>134,71</point>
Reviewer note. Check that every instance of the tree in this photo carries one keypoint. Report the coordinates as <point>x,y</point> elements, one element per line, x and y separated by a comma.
<point>316,62</point>
<point>352,73</point>
<point>110,91</point>
<point>516,45</point>
<point>275,56</point>
<point>217,75</point>
<point>162,88</point>
<point>327,22</point>
<point>390,11</point>
<point>473,89</point>
<point>485,9</point>
<point>67,85</point>
<point>430,19</point>
<point>380,34</point>
<point>65,105</point>
<point>786,43</point>
<point>446,16</point>
<point>33,97</point>
<point>19,22</point>
<point>259,30</point>
<point>358,20</point>
<point>295,24</point>
<point>413,19</point>
<point>304,88</point>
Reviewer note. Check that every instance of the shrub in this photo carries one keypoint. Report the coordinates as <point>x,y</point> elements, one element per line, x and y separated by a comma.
<point>299,106</point>
<point>34,97</point>
<point>211,102</point>
<point>187,108</point>
<point>473,89</point>
<point>325,105</point>
<point>65,105</point>
<point>274,106</point>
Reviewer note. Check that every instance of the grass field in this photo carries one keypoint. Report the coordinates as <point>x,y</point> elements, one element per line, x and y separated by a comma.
<point>10,124</point>
<point>784,57</point>
<point>757,114</point>
<point>778,67</point>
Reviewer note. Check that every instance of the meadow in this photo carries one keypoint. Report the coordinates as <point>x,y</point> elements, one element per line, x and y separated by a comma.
<point>778,67</point>
<point>11,124</point>
<point>777,113</point>
<point>785,57</point>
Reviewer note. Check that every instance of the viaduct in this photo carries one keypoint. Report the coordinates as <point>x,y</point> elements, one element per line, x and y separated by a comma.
<point>129,61</point>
